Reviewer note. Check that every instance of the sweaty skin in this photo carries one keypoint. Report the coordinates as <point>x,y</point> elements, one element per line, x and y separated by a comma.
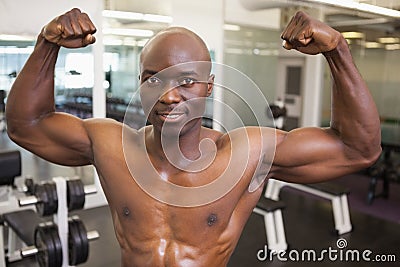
<point>152,233</point>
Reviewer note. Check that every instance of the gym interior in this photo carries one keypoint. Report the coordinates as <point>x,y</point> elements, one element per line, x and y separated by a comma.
<point>350,221</point>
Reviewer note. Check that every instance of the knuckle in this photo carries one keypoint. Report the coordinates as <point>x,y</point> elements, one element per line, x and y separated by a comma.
<point>75,10</point>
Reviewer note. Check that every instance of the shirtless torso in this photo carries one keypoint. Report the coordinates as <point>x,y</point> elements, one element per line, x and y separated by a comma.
<point>180,236</point>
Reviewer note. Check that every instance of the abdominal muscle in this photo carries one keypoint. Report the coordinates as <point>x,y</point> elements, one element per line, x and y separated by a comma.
<point>162,247</point>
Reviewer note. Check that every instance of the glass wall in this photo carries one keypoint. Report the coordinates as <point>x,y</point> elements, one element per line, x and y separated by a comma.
<point>74,79</point>
<point>121,68</point>
<point>13,55</point>
<point>380,69</point>
<point>254,52</point>
<point>73,75</point>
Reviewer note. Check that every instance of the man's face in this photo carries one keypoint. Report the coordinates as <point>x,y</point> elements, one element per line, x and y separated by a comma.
<point>174,98</point>
<point>175,80</point>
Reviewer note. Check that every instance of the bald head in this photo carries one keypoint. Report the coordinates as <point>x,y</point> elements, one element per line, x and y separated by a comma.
<point>172,46</point>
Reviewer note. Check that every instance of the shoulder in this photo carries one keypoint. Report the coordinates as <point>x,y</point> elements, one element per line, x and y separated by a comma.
<point>253,134</point>
<point>104,130</point>
<point>108,136</point>
<point>98,126</point>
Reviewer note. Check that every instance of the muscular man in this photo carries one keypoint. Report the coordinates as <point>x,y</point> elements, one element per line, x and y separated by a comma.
<point>152,232</point>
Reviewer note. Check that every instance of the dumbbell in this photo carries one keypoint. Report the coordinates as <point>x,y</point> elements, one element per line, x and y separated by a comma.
<point>48,248</point>
<point>78,241</point>
<point>46,200</point>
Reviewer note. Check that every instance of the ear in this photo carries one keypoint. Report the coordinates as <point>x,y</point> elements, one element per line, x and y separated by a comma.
<point>210,84</point>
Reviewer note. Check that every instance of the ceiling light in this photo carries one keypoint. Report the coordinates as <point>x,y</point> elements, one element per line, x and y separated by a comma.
<point>122,15</point>
<point>392,47</point>
<point>128,32</point>
<point>373,45</point>
<point>356,6</point>
<point>353,35</point>
<point>136,16</point>
<point>388,40</point>
<point>231,27</point>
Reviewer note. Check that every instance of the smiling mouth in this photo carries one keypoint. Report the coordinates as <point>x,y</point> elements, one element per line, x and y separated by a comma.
<point>171,116</point>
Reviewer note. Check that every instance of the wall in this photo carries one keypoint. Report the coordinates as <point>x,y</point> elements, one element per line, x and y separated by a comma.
<point>21,17</point>
<point>235,13</point>
<point>380,70</point>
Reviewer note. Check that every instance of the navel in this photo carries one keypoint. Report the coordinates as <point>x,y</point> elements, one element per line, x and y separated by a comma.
<point>212,219</point>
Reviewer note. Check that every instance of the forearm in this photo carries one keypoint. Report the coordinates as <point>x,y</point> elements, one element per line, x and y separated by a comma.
<point>32,94</point>
<point>354,114</point>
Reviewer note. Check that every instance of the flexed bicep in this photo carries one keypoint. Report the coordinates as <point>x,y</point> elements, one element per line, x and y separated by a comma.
<point>309,155</point>
<point>58,137</point>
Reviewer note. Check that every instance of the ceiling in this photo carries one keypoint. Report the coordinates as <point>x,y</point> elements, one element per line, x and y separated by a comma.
<point>343,19</point>
<point>372,26</point>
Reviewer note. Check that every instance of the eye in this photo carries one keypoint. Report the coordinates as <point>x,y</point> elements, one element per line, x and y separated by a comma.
<point>153,81</point>
<point>187,82</point>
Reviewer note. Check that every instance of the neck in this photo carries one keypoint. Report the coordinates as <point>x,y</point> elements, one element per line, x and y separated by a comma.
<point>175,147</point>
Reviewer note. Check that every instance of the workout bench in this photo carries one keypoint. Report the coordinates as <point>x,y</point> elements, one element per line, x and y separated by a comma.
<point>271,210</point>
<point>327,190</point>
<point>10,168</point>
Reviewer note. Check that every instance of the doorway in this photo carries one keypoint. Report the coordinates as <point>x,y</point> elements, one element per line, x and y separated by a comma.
<point>290,90</point>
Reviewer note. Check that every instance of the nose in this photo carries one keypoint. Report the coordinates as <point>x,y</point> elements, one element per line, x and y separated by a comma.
<point>170,96</point>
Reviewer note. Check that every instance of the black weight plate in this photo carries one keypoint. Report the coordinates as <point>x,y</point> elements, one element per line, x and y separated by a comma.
<point>81,194</point>
<point>71,195</point>
<point>58,252</point>
<point>75,194</point>
<point>74,243</point>
<point>45,245</point>
<point>52,206</point>
<point>85,242</point>
<point>41,195</point>
<point>55,196</point>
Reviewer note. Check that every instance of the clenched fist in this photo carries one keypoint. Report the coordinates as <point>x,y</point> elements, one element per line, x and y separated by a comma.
<point>73,29</point>
<point>309,36</point>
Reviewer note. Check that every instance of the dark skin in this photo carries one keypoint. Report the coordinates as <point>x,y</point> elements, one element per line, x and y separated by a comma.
<point>150,232</point>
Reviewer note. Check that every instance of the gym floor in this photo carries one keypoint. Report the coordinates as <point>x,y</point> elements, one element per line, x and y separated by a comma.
<point>308,225</point>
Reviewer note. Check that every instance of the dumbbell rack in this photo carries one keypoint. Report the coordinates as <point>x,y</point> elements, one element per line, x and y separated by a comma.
<point>61,220</point>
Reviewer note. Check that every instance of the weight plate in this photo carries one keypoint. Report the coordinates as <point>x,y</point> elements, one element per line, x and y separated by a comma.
<point>47,254</point>
<point>71,195</point>
<point>81,194</point>
<point>41,195</point>
<point>52,206</point>
<point>84,241</point>
<point>55,196</point>
<point>74,243</point>
<point>58,252</point>
<point>75,194</point>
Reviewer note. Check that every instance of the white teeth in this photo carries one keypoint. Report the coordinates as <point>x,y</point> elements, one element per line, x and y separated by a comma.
<point>172,116</point>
